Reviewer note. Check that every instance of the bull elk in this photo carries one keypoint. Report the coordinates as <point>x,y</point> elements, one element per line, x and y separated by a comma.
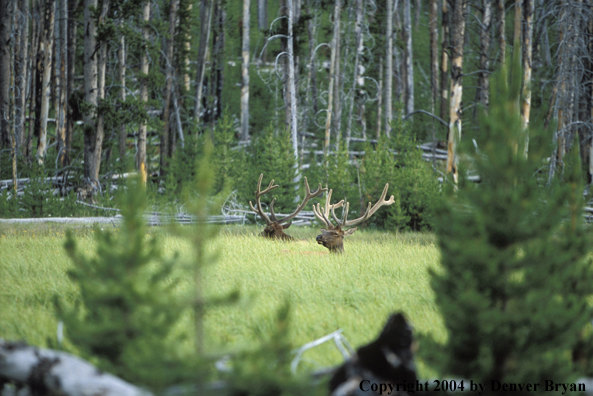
<point>275,228</point>
<point>332,237</point>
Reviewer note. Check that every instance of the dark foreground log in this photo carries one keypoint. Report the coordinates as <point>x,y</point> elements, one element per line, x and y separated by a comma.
<point>49,372</point>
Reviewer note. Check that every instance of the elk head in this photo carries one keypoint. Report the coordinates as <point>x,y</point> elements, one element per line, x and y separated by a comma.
<point>332,237</point>
<point>275,228</point>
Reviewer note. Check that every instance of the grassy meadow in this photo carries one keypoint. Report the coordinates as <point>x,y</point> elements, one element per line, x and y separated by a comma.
<point>379,273</point>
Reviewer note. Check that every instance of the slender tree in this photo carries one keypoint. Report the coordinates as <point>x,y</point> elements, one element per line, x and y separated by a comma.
<point>205,27</point>
<point>62,108</point>
<point>389,65</point>
<point>528,7</point>
<point>358,50</point>
<point>483,76</point>
<point>73,6</point>
<point>144,69</point>
<point>44,68</point>
<point>245,72</point>
<point>408,59</point>
<point>90,85</point>
<point>502,40</point>
<point>21,75</point>
<point>166,147</point>
<point>457,40</point>
<point>445,60</point>
<point>121,77</point>
<point>332,66</point>
<point>5,53</point>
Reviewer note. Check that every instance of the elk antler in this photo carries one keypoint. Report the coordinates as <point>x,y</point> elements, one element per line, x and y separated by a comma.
<point>370,210</point>
<point>258,195</point>
<point>322,213</point>
<point>308,196</point>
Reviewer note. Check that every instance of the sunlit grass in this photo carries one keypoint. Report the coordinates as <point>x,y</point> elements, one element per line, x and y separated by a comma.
<point>379,273</point>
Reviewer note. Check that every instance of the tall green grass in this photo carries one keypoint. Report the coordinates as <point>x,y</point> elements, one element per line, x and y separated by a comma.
<point>379,273</point>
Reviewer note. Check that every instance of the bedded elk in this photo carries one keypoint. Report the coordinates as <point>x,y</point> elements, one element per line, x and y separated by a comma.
<point>332,237</point>
<point>275,228</point>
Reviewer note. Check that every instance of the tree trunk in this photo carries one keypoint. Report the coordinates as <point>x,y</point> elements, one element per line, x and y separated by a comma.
<point>517,29</point>
<point>21,59</point>
<point>408,59</point>
<point>332,66</point>
<point>262,14</point>
<point>502,40</point>
<point>33,65</point>
<point>170,76</point>
<point>62,106</point>
<point>205,24</point>
<point>46,47</point>
<point>292,91</point>
<point>312,74</point>
<point>72,28</point>
<point>121,76</point>
<point>5,54</point>
<point>90,86</point>
<point>445,61</point>
<point>434,55</point>
<point>245,73</point>
<point>380,99</point>
<point>358,49</point>
<point>389,65</point>
<point>483,77</point>
<point>217,68</point>
<point>457,40</point>
<point>528,7</point>
<point>100,129</point>
<point>144,69</point>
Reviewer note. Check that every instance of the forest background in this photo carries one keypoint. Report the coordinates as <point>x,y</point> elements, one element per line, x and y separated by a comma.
<point>92,89</point>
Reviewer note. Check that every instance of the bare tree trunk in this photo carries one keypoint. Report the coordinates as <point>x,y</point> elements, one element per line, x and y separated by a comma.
<point>408,59</point>
<point>100,129</point>
<point>262,14</point>
<point>169,64</point>
<point>337,118</point>
<point>187,44</point>
<point>217,68</point>
<point>445,61</point>
<point>144,69</point>
<point>358,49</point>
<point>205,24</point>
<point>483,77</point>
<point>457,40</point>
<point>245,73</point>
<point>527,59</point>
<point>22,55</point>
<point>61,124</point>
<point>90,85</point>
<point>5,44</point>
<point>34,66</point>
<point>121,76</point>
<point>72,28</point>
<point>589,152</point>
<point>389,65</point>
<point>418,9</point>
<point>517,30</point>
<point>332,66</point>
<point>434,55</point>
<point>46,54</point>
<point>380,99</point>
<point>292,90</point>
<point>502,40</point>
<point>312,74</point>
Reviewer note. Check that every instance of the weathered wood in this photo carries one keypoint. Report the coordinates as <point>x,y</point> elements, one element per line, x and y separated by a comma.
<point>56,372</point>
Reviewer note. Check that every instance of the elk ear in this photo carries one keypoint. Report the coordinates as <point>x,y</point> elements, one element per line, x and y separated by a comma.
<point>350,231</point>
<point>285,226</point>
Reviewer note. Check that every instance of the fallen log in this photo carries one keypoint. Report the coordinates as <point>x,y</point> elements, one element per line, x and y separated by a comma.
<point>46,371</point>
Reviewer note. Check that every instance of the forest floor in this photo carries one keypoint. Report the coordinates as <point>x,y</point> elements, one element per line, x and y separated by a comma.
<point>379,273</point>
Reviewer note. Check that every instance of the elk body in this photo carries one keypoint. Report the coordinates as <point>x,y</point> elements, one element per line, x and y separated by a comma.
<point>275,228</point>
<point>332,237</point>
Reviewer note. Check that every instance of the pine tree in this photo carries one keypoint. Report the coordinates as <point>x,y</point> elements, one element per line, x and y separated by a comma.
<point>515,286</point>
<point>128,309</point>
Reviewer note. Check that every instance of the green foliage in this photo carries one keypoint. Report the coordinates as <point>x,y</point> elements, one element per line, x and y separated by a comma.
<point>271,153</point>
<point>341,176</point>
<point>128,308</point>
<point>517,274</point>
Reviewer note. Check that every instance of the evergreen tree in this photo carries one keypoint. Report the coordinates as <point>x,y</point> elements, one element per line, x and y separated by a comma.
<point>517,278</point>
<point>128,307</point>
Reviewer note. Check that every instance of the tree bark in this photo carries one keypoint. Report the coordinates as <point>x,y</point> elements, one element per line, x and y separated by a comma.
<point>245,72</point>
<point>358,49</point>
<point>33,65</point>
<point>22,56</point>
<point>45,53</point>
<point>528,8</point>
<point>5,54</point>
<point>205,24</point>
<point>484,75</point>
<point>170,77</point>
<point>457,40</point>
<point>90,86</point>
<point>333,60</point>
<point>517,29</point>
<point>502,40</point>
<point>445,61</point>
<point>408,59</point>
<point>389,65</point>
<point>55,372</point>
<point>292,90</point>
<point>62,105</point>
<point>144,69</point>
<point>121,76</point>
<point>434,55</point>
<point>217,68</point>
<point>72,28</point>
<point>262,14</point>
<point>380,100</point>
